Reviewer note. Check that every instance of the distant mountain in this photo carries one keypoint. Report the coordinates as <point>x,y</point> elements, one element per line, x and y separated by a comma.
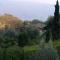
<point>9,21</point>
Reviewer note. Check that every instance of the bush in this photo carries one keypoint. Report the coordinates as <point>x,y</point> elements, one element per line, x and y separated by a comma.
<point>13,53</point>
<point>58,49</point>
<point>47,53</point>
<point>57,46</point>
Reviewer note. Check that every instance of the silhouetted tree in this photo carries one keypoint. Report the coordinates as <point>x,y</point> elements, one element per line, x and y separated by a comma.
<point>48,31</point>
<point>55,23</point>
<point>52,25</point>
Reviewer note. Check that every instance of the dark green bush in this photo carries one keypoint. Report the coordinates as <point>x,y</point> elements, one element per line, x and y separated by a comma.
<point>58,49</point>
<point>13,53</point>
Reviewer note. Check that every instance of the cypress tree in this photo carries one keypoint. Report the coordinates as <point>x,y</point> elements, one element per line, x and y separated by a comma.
<point>55,23</point>
<point>52,28</point>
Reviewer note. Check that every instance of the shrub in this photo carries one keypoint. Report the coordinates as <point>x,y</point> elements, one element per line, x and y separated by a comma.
<point>47,53</point>
<point>13,53</point>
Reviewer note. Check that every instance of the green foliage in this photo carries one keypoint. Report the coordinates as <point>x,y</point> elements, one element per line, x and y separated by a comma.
<point>7,39</point>
<point>23,39</point>
<point>43,53</point>
<point>47,53</point>
<point>53,25</point>
<point>57,46</point>
<point>28,35</point>
<point>12,53</point>
<point>48,28</point>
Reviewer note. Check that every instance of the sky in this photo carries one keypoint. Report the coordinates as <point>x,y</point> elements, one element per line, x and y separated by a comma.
<point>34,1</point>
<point>28,9</point>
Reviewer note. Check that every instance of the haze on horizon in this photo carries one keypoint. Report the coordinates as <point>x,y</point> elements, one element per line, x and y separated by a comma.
<point>33,1</point>
<point>28,9</point>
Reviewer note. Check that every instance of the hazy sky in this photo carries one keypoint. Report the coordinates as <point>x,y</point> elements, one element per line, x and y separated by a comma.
<point>41,1</point>
<point>34,1</point>
<point>28,9</point>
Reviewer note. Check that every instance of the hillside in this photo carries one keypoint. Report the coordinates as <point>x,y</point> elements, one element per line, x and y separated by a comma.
<point>9,21</point>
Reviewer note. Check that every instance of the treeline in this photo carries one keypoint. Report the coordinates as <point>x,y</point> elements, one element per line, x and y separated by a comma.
<point>17,32</point>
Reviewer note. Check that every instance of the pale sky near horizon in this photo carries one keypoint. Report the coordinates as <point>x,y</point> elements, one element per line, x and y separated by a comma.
<point>33,1</point>
<point>40,1</point>
<point>28,9</point>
